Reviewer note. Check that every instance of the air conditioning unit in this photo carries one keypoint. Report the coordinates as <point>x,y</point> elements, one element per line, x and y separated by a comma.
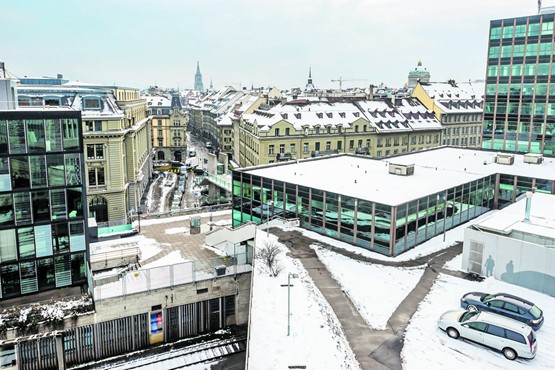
<point>533,158</point>
<point>505,158</point>
<point>401,169</point>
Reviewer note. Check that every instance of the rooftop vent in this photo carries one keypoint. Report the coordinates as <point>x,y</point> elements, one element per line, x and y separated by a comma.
<point>504,158</point>
<point>533,158</point>
<point>401,169</point>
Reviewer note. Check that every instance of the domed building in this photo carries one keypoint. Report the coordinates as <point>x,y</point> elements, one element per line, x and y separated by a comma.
<point>419,73</point>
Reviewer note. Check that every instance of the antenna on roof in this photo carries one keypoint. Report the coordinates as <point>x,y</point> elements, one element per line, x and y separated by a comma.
<point>539,6</point>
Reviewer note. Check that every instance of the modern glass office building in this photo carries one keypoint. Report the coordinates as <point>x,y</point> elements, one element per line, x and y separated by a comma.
<point>43,243</point>
<point>365,205</point>
<point>519,111</point>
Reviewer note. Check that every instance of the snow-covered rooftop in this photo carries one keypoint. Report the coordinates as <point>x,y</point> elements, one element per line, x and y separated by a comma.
<point>158,101</point>
<point>365,178</point>
<point>511,218</point>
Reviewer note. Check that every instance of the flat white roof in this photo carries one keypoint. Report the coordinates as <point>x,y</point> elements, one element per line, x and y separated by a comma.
<point>511,218</point>
<point>366,178</point>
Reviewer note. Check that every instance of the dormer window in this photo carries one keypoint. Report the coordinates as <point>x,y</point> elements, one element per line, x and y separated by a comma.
<point>284,115</point>
<point>356,128</point>
<point>276,132</point>
<point>330,115</point>
<point>339,129</point>
<point>287,130</point>
<point>317,130</point>
<point>356,114</point>
<point>328,130</point>
<point>91,103</point>
<point>297,115</point>
<point>342,114</point>
<point>320,115</point>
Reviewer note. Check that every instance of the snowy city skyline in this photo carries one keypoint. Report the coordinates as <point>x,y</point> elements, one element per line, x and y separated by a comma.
<point>141,44</point>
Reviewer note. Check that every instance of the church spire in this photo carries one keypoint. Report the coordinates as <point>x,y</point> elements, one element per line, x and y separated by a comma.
<point>309,85</point>
<point>199,86</point>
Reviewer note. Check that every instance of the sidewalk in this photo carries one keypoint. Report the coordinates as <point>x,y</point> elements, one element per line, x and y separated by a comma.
<point>374,349</point>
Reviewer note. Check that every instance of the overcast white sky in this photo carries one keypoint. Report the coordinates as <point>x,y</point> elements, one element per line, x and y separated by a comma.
<point>140,43</point>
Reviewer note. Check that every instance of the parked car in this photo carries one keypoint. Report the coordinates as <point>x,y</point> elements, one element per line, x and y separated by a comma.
<point>505,304</point>
<point>208,144</point>
<point>192,152</point>
<point>512,338</point>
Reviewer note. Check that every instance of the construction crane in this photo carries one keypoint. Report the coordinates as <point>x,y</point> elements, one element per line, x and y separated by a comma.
<point>341,80</point>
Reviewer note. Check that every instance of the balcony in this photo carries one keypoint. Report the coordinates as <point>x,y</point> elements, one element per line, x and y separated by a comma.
<point>321,153</point>
<point>362,151</point>
<point>282,157</point>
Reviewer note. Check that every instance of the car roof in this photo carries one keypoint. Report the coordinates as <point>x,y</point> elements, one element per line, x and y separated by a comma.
<point>505,322</point>
<point>514,300</point>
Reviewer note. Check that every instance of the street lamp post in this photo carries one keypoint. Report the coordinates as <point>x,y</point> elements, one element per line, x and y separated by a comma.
<point>289,276</point>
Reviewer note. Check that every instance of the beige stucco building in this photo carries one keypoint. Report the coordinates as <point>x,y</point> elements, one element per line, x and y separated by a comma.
<point>306,128</point>
<point>459,107</point>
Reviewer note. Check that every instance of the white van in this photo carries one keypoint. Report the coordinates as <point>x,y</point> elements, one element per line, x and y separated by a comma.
<point>192,152</point>
<point>512,338</point>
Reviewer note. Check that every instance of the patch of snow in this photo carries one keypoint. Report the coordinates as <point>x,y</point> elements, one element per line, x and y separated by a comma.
<point>177,230</point>
<point>171,258</point>
<point>455,264</point>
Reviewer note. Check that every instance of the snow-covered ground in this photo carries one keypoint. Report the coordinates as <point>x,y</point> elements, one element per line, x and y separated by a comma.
<point>428,347</point>
<point>376,291</point>
<point>171,258</point>
<point>316,339</point>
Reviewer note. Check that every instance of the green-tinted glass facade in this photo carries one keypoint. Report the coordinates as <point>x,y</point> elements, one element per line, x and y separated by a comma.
<point>519,110</point>
<point>386,229</point>
<point>43,243</point>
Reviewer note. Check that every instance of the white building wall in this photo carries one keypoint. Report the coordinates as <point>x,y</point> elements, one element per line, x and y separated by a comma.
<point>515,261</point>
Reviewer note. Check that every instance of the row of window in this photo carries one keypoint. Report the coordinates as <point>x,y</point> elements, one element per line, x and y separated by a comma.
<point>41,241</point>
<point>463,130</point>
<point>527,89</point>
<point>520,108</point>
<point>33,136</point>
<point>39,171</point>
<point>380,143</point>
<point>532,69</point>
<point>524,127</point>
<point>533,29</point>
<point>464,141</point>
<point>42,274</point>
<point>529,50</point>
<point>461,117</point>
<point>318,131</point>
<point>24,208</point>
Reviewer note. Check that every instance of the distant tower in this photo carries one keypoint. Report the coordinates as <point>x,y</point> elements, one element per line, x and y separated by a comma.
<point>309,86</point>
<point>199,86</point>
<point>211,85</point>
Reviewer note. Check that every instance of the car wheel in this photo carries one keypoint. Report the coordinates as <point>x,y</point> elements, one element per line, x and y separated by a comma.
<point>453,333</point>
<point>509,353</point>
<point>471,307</point>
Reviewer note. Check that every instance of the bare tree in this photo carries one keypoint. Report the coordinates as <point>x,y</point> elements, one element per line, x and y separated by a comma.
<point>269,256</point>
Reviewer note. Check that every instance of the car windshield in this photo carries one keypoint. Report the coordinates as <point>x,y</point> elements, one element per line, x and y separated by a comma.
<point>487,297</point>
<point>467,315</point>
<point>536,312</point>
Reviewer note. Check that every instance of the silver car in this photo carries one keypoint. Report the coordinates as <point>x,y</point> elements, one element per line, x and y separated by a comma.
<point>512,338</point>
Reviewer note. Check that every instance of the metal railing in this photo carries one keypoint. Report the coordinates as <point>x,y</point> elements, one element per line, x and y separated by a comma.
<point>145,280</point>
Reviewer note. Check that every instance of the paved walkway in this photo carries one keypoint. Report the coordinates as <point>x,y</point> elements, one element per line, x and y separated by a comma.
<point>374,349</point>
<point>190,246</point>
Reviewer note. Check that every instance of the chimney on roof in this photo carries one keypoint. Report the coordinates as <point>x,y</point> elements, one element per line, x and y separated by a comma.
<point>452,83</point>
<point>60,76</point>
<point>371,92</point>
<point>529,195</point>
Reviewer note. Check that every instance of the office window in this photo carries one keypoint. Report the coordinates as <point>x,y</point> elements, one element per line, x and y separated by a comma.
<point>271,149</point>
<point>95,151</point>
<point>420,139</point>
<point>388,141</point>
<point>413,140</point>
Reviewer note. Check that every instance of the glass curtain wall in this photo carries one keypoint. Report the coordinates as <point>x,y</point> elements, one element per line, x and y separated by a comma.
<point>42,227</point>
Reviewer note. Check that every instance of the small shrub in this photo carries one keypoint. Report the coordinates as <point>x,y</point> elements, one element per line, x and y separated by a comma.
<point>268,254</point>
